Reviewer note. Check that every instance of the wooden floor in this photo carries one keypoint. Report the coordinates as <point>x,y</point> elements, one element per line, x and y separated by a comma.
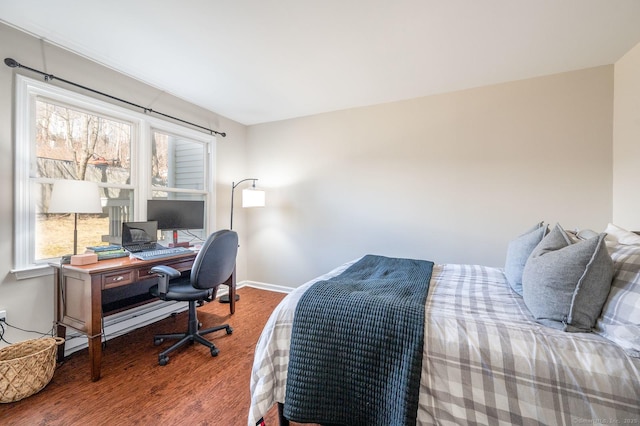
<point>193,389</point>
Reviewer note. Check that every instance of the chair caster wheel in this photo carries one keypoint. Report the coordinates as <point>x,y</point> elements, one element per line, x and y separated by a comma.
<point>157,341</point>
<point>215,351</point>
<point>229,330</point>
<point>163,360</point>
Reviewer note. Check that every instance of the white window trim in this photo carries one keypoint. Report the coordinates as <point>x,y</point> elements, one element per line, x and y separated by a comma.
<point>24,209</point>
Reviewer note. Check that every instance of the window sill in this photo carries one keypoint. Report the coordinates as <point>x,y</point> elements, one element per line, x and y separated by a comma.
<point>32,272</point>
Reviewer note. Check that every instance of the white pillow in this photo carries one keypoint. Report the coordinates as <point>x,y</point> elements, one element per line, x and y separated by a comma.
<point>617,235</point>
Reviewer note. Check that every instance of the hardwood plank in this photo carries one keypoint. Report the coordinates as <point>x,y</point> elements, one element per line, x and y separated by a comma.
<point>194,388</point>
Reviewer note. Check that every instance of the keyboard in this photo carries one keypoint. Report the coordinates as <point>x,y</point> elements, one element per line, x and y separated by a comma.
<point>160,253</point>
<point>135,248</point>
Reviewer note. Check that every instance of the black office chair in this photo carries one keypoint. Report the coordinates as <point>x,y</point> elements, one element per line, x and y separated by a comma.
<point>214,265</point>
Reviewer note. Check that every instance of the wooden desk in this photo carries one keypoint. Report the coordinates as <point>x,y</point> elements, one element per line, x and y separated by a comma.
<point>78,298</point>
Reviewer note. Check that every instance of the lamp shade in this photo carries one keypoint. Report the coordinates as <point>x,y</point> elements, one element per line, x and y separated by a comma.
<point>75,196</point>
<point>252,197</point>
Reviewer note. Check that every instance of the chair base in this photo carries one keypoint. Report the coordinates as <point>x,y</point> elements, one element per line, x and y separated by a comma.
<point>192,335</point>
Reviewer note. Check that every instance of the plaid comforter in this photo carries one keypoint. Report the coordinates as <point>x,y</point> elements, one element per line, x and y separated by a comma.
<point>485,360</point>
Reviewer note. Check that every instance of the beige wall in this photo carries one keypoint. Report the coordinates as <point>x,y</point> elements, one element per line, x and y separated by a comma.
<point>451,178</point>
<point>626,138</point>
<point>29,303</point>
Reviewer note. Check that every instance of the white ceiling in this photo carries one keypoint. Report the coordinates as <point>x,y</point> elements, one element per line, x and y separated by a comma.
<point>257,61</point>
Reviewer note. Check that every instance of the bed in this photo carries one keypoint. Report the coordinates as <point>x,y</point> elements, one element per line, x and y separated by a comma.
<point>488,358</point>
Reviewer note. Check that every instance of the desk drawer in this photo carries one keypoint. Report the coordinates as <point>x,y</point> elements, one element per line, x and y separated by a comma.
<point>145,273</point>
<point>182,266</point>
<point>117,279</point>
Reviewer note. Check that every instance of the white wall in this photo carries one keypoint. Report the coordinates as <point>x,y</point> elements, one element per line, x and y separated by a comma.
<point>29,303</point>
<point>450,178</point>
<point>626,138</point>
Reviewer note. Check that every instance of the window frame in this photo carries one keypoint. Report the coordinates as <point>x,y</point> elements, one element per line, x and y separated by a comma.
<point>26,91</point>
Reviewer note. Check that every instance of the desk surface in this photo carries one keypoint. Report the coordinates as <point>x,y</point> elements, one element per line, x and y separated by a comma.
<point>121,263</point>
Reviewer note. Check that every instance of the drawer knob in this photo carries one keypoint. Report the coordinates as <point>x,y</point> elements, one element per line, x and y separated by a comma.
<point>120,278</point>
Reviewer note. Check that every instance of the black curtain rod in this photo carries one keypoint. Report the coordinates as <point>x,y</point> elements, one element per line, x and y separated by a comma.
<point>48,77</point>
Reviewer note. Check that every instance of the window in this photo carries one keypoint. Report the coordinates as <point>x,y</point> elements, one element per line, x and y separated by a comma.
<point>131,156</point>
<point>177,163</point>
<point>79,145</point>
<point>178,172</point>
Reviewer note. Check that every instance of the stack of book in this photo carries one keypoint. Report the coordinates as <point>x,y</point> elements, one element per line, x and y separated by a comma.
<point>107,252</point>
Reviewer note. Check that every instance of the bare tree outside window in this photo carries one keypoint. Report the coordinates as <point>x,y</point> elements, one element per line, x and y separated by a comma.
<point>75,144</point>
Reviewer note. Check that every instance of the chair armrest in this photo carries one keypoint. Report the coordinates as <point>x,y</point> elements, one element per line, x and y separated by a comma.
<point>165,274</point>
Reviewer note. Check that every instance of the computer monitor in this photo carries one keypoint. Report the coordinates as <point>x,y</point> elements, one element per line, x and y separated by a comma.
<point>176,214</point>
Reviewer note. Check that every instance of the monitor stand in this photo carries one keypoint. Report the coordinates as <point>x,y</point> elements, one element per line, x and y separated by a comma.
<point>175,242</point>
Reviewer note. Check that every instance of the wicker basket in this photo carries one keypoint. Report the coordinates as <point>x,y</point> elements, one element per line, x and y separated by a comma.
<point>27,367</point>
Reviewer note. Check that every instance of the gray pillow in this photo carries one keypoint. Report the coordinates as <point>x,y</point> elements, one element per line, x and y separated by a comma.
<point>518,252</point>
<point>565,284</point>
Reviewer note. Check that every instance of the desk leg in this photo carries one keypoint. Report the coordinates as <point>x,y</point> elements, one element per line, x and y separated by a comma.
<point>61,331</point>
<point>95,355</point>
<point>94,328</point>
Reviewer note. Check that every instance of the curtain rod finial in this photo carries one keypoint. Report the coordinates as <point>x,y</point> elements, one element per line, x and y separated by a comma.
<point>10,62</point>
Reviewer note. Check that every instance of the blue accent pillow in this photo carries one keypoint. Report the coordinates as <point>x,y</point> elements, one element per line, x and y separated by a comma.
<point>518,252</point>
<point>565,284</point>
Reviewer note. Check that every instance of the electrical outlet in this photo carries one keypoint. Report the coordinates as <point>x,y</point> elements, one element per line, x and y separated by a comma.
<point>3,315</point>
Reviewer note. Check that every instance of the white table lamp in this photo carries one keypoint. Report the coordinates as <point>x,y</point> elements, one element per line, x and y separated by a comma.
<point>75,196</point>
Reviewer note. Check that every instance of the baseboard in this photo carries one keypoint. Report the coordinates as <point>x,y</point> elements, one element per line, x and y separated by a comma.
<point>126,321</point>
<point>268,287</point>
